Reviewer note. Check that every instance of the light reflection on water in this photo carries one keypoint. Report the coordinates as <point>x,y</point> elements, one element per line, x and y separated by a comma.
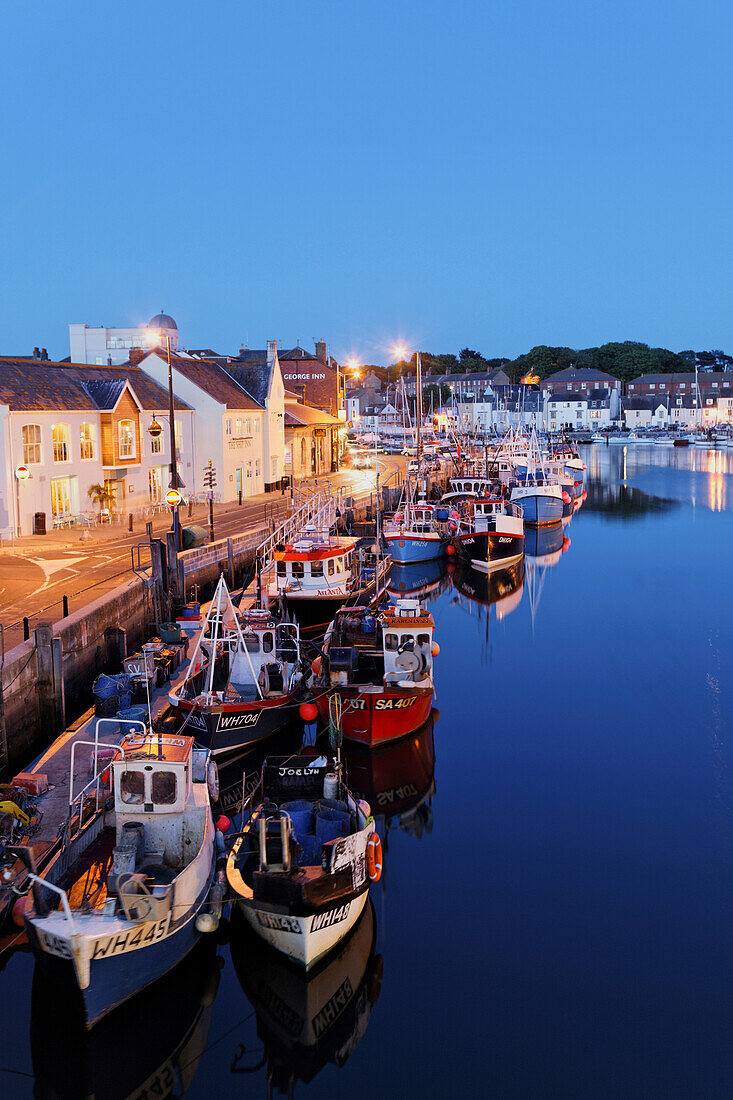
<point>555,918</point>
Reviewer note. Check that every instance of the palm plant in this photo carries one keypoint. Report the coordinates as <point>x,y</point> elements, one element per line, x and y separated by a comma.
<point>101,495</point>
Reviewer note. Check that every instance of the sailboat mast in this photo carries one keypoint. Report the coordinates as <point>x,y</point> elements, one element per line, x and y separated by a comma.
<point>418,410</point>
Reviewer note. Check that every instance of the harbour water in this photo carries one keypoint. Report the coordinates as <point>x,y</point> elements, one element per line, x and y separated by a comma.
<point>556,909</point>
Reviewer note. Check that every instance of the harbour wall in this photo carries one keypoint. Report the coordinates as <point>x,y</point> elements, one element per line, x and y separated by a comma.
<point>47,680</point>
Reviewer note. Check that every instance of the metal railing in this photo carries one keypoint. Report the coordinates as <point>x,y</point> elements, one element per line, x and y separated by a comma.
<point>320,509</point>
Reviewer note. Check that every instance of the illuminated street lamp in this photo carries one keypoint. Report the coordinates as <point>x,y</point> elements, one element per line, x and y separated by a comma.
<point>155,430</point>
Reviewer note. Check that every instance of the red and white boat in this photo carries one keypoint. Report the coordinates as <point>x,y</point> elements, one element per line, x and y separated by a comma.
<point>316,575</point>
<point>381,666</point>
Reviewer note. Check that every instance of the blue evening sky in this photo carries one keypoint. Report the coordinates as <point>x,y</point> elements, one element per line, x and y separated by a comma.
<point>446,172</point>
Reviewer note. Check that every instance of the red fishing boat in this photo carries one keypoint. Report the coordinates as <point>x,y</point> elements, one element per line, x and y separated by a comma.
<point>380,664</point>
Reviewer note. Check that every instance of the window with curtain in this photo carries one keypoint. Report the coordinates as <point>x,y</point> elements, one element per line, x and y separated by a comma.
<point>88,437</point>
<point>61,435</point>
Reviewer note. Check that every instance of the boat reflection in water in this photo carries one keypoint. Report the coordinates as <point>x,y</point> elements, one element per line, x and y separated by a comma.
<point>306,1020</point>
<point>397,781</point>
<point>502,589</point>
<point>542,551</point>
<point>423,580</point>
<point>150,1046</point>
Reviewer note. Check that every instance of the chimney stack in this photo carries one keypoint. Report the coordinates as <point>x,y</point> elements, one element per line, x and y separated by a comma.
<point>321,351</point>
<point>36,353</point>
<point>136,356</point>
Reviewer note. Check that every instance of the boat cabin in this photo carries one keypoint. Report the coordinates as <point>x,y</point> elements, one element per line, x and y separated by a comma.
<point>161,810</point>
<point>314,566</point>
<point>422,519</point>
<point>407,632</point>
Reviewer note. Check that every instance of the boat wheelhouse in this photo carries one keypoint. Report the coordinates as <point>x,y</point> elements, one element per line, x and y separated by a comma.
<point>492,533</point>
<point>417,533</point>
<point>468,488</point>
<point>120,904</point>
<point>253,681</point>
<point>381,666</point>
<point>316,575</point>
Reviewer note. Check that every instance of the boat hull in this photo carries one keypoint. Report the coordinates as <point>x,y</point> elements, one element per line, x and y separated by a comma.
<point>120,968</point>
<point>539,508</point>
<point>489,550</point>
<point>375,716</point>
<point>304,939</point>
<point>405,548</point>
<point>227,727</point>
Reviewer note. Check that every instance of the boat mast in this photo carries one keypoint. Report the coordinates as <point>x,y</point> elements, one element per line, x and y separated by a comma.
<point>418,412</point>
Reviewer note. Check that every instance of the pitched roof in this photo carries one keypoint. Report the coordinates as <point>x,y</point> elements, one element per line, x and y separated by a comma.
<point>298,416</point>
<point>579,374</point>
<point>298,353</point>
<point>216,380</point>
<point>45,385</point>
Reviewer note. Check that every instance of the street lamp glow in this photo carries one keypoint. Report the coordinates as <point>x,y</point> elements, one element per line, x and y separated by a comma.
<point>400,351</point>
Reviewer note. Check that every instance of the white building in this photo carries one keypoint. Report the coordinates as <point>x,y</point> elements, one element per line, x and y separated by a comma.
<point>589,410</point>
<point>240,415</point>
<point>112,346</point>
<point>67,427</point>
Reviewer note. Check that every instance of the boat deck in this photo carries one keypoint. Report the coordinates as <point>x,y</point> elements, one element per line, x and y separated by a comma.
<point>88,890</point>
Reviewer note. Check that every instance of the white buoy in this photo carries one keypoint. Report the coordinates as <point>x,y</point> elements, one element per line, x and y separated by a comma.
<point>206,922</point>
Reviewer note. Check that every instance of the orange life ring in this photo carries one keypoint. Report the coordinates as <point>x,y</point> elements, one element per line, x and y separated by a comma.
<point>374,857</point>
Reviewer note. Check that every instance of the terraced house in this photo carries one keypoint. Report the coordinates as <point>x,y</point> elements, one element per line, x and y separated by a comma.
<point>68,427</point>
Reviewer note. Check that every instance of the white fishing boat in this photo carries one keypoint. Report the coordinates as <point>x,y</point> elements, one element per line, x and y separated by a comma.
<point>133,887</point>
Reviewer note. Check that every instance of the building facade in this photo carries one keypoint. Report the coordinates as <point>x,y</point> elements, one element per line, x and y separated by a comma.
<point>112,346</point>
<point>67,428</point>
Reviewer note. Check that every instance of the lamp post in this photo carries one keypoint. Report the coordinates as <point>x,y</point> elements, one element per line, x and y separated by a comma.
<point>172,426</point>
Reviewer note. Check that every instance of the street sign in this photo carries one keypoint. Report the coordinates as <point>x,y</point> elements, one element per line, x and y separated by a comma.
<point>173,497</point>
<point>22,473</point>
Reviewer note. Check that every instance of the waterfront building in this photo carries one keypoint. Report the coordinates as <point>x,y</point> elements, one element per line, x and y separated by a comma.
<point>66,427</point>
<point>461,385</point>
<point>316,379</point>
<point>239,414</point>
<point>579,380</point>
<point>112,346</point>
<point>645,412</point>
<point>711,384</point>
<point>312,439</point>
<point>583,409</point>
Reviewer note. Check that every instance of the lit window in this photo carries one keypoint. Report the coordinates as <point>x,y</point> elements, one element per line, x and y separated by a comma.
<point>156,444</point>
<point>257,425</point>
<point>87,436</point>
<point>249,468</point>
<point>31,444</point>
<point>237,427</point>
<point>247,426</point>
<point>61,437</point>
<point>715,385</point>
<point>126,437</point>
<point>258,468</point>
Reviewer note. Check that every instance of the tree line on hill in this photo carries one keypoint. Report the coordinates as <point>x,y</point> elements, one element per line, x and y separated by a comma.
<point>624,360</point>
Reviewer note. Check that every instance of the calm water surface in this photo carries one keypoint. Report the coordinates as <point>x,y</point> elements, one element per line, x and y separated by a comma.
<point>556,916</point>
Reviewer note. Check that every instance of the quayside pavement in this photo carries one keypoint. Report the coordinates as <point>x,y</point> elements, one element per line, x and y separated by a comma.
<point>38,571</point>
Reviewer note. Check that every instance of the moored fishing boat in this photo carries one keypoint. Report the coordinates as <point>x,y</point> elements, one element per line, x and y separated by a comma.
<point>316,574</point>
<point>492,533</point>
<point>417,532</point>
<point>300,870</point>
<point>130,892</point>
<point>541,502</point>
<point>381,666</point>
<point>254,678</point>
